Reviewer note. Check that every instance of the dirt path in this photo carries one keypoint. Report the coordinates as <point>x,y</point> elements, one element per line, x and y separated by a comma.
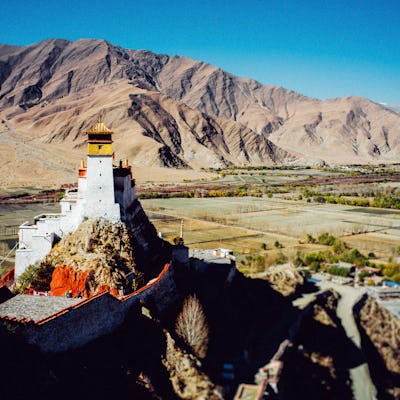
<point>362,385</point>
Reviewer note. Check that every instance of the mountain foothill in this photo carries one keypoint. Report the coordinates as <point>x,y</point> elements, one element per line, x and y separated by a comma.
<point>169,111</point>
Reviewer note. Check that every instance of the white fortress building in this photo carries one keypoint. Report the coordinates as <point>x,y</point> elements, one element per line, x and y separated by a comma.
<point>103,191</point>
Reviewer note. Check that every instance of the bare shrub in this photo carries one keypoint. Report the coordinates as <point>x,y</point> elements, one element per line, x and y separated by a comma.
<point>191,326</point>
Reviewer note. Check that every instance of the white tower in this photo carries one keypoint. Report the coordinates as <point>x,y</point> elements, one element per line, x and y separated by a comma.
<point>100,199</point>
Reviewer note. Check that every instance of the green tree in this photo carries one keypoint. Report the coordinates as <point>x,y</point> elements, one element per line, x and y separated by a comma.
<point>335,270</point>
<point>326,239</point>
<point>281,258</point>
<point>36,276</point>
<point>310,238</point>
<point>339,247</point>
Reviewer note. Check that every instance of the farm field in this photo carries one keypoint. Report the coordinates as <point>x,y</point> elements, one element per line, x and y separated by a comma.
<point>244,223</point>
<point>15,215</point>
<point>277,221</point>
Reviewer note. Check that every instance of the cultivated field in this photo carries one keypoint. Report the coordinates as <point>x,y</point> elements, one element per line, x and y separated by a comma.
<point>245,223</point>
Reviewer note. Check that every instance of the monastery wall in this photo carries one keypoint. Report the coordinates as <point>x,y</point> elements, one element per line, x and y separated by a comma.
<point>160,294</point>
<point>35,242</point>
<point>99,315</point>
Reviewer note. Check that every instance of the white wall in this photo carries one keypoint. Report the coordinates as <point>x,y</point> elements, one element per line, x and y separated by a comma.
<point>100,200</point>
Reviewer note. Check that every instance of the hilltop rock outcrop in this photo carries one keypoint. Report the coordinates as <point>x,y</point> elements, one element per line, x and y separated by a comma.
<point>101,255</point>
<point>99,248</point>
<point>317,365</point>
<point>384,330</point>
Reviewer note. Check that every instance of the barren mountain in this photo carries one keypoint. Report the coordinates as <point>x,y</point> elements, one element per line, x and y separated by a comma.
<point>393,107</point>
<point>168,111</point>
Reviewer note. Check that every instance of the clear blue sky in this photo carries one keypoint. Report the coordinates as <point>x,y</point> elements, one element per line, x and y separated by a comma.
<point>319,48</point>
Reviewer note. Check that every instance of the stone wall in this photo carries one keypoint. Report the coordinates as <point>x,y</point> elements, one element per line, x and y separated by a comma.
<point>160,295</point>
<point>69,329</point>
<point>97,316</point>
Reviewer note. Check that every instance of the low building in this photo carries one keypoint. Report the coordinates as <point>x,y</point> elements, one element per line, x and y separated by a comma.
<point>202,258</point>
<point>224,253</point>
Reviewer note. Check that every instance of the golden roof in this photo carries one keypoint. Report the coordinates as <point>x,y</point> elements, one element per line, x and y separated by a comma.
<point>99,127</point>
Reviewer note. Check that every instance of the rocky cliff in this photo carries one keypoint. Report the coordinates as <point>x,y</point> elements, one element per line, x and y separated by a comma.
<point>380,332</point>
<point>171,111</point>
<point>99,253</point>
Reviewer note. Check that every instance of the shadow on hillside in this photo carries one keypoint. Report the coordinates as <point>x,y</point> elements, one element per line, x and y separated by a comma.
<point>106,368</point>
<point>247,320</point>
<point>317,366</point>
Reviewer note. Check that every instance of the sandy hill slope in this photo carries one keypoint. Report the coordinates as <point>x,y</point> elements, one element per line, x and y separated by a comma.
<point>168,111</point>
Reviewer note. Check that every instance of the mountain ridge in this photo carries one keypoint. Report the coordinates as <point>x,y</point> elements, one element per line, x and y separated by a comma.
<point>178,112</point>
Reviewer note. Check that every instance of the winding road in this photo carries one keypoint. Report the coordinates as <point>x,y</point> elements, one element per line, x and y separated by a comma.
<point>362,386</point>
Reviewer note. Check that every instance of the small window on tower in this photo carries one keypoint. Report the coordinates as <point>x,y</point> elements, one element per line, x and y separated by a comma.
<point>100,187</point>
<point>100,174</point>
<point>100,146</point>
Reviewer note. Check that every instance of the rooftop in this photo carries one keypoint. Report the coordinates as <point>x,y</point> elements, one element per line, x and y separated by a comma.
<point>250,392</point>
<point>34,308</point>
<point>99,127</point>
<point>209,256</point>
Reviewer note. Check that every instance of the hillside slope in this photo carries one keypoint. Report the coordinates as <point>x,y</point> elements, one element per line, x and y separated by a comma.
<point>169,111</point>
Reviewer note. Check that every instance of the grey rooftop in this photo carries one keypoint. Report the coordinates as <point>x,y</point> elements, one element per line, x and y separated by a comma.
<point>35,308</point>
<point>209,256</point>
